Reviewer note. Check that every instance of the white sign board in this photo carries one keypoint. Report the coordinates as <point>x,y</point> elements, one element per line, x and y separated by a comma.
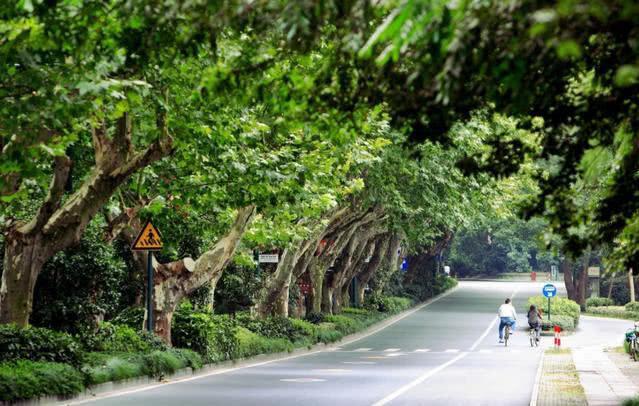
<point>593,271</point>
<point>268,259</point>
<point>447,269</point>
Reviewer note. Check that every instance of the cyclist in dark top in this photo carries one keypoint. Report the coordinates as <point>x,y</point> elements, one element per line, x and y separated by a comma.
<point>534,320</point>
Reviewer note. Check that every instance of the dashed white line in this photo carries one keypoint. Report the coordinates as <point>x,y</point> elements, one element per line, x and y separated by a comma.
<point>452,350</point>
<point>359,362</point>
<point>362,349</point>
<point>392,349</point>
<point>395,354</point>
<point>422,350</point>
<point>303,380</point>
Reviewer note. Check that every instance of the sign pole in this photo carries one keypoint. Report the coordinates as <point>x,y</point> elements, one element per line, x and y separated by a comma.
<point>548,308</point>
<point>149,291</point>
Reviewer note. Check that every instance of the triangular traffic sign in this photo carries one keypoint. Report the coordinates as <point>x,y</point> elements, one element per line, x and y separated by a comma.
<point>148,240</point>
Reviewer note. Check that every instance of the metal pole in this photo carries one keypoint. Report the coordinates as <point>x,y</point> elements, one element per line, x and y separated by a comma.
<point>149,291</point>
<point>549,308</point>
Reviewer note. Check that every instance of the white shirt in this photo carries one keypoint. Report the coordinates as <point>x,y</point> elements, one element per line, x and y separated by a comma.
<point>507,310</point>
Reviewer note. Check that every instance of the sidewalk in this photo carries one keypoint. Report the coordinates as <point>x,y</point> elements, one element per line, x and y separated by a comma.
<point>603,382</point>
<point>558,381</point>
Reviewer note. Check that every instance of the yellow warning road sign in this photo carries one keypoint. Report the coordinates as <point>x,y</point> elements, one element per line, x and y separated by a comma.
<point>148,240</point>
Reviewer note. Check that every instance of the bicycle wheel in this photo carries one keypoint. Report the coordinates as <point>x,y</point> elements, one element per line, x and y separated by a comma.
<point>506,336</point>
<point>532,337</point>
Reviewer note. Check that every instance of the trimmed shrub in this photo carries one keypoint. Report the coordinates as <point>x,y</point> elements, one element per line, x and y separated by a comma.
<point>598,302</point>
<point>120,338</point>
<point>393,304</point>
<point>632,307</point>
<point>189,358</point>
<point>112,368</point>
<point>272,327</point>
<point>558,306</point>
<point>250,343</point>
<point>213,337</point>
<point>344,324</point>
<point>305,329</point>
<point>326,333</point>
<point>355,310</point>
<point>566,323</point>
<point>160,363</point>
<point>24,379</point>
<point>619,312</point>
<point>442,283</point>
<point>37,344</point>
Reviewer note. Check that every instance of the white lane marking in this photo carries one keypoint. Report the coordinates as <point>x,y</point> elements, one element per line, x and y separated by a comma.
<point>395,354</point>
<point>359,362</point>
<point>422,350</point>
<point>419,380</point>
<point>432,372</point>
<point>303,380</point>
<point>490,327</point>
<point>332,370</point>
<point>392,349</point>
<point>484,351</point>
<point>257,364</point>
<point>362,349</point>
<point>535,393</point>
<point>452,350</point>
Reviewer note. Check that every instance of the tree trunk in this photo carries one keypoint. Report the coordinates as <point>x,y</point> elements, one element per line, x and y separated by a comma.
<point>612,283</point>
<point>571,290</point>
<point>316,275</point>
<point>57,225</point>
<point>175,280</point>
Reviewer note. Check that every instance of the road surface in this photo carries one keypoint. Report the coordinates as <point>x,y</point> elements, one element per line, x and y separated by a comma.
<point>446,353</point>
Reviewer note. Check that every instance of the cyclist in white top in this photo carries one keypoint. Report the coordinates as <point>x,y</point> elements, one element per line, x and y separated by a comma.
<point>507,316</point>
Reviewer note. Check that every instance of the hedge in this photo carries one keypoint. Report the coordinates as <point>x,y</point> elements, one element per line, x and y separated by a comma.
<point>566,323</point>
<point>38,344</point>
<point>619,312</point>
<point>598,302</point>
<point>25,379</point>
<point>250,343</point>
<point>558,306</point>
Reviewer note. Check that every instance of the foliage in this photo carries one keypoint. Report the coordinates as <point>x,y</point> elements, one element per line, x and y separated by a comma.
<point>598,302</point>
<point>619,312</point>
<point>272,327</point>
<point>632,307</point>
<point>105,367</point>
<point>631,402</point>
<point>315,318</point>
<point>388,304</point>
<point>559,306</point>
<point>233,292</point>
<point>566,323</point>
<point>21,380</point>
<point>120,338</point>
<point>37,344</point>
<point>131,316</point>
<point>250,343</point>
<point>79,285</point>
<point>213,337</point>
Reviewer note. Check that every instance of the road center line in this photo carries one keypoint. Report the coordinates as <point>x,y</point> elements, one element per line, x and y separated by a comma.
<point>440,368</point>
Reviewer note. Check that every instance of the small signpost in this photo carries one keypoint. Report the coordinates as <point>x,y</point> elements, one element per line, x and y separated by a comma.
<point>268,259</point>
<point>404,265</point>
<point>549,290</point>
<point>148,240</point>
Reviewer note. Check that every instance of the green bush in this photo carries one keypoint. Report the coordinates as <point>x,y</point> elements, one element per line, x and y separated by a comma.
<point>344,324</point>
<point>21,380</point>
<point>273,327</point>
<point>120,338</point>
<point>326,333</point>
<point>392,304</point>
<point>355,310</point>
<point>131,316</point>
<point>619,312</point>
<point>599,301</point>
<point>632,307</point>
<point>442,283</point>
<point>305,329</point>
<point>558,306</point>
<point>188,358</point>
<point>37,344</point>
<point>566,323</point>
<point>160,363</point>
<point>113,368</point>
<point>250,343</point>
<point>213,337</point>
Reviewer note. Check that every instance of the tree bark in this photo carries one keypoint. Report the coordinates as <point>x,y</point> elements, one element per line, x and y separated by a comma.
<point>380,251</point>
<point>175,280</point>
<point>610,287</point>
<point>56,225</point>
<point>566,267</point>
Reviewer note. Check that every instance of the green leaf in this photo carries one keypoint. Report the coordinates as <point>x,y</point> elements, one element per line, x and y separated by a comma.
<point>627,75</point>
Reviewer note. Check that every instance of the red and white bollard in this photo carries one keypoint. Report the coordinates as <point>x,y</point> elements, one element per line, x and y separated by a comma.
<point>557,336</point>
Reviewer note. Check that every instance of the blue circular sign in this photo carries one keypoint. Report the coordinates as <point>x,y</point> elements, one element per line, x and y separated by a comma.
<point>549,290</point>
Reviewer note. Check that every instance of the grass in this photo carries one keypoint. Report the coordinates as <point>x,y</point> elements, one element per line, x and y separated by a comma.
<point>559,379</point>
<point>25,379</point>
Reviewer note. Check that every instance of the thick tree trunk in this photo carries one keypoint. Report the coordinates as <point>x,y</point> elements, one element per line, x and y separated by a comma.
<point>610,287</point>
<point>316,275</point>
<point>175,280</point>
<point>56,225</point>
<point>571,290</point>
<point>379,251</point>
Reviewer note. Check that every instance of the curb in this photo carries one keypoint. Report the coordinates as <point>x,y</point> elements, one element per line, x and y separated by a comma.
<point>535,393</point>
<point>118,388</point>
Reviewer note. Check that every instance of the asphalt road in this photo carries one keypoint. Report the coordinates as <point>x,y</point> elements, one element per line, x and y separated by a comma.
<point>446,353</point>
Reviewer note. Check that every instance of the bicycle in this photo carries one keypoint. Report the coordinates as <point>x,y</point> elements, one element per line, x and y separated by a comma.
<point>534,337</point>
<point>631,338</point>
